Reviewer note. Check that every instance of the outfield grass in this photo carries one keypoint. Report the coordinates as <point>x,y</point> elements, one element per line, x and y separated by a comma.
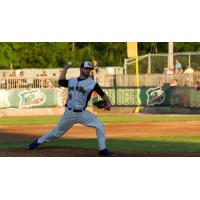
<point>7,121</point>
<point>152,144</point>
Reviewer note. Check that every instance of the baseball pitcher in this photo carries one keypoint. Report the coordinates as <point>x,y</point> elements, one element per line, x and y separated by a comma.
<point>79,93</point>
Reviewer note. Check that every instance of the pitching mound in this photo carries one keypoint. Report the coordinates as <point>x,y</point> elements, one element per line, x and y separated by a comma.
<point>79,152</point>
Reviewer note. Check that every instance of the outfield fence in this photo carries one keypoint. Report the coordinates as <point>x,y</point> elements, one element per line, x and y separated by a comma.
<point>185,97</point>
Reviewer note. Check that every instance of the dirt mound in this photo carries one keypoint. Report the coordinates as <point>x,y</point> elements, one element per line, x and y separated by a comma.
<point>79,152</point>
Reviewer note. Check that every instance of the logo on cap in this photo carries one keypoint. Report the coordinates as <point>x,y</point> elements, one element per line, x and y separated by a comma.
<point>87,64</point>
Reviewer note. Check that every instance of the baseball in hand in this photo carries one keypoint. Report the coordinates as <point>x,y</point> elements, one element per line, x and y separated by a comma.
<point>69,63</point>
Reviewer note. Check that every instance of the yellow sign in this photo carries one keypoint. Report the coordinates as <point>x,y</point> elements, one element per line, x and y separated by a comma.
<point>132,49</point>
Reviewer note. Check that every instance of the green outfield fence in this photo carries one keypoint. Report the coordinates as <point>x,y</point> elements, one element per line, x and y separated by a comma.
<point>185,97</point>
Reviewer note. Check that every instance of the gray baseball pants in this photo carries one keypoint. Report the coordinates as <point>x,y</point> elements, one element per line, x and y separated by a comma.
<point>70,118</point>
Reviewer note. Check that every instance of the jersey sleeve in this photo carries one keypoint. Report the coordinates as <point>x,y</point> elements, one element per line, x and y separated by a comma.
<point>63,82</point>
<point>99,90</point>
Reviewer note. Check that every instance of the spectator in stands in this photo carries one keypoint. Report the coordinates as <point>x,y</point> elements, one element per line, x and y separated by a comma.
<point>197,71</point>
<point>4,81</point>
<point>13,74</point>
<point>178,67</point>
<point>189,70</point>
<point>13,82</point>
<point>49,84</point>
<point>37,81</point>
<point>22,81</point>
<point>4,74</point>
<point>170,70</point>
<point>174,82</point>
<point>54,81</point>
<point>160,83</point>
<point>43,82</point>
<point>197,86</point>
<point>21,73</point>
<point>44,73</point>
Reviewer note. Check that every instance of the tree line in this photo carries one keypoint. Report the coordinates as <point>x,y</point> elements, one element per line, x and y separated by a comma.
<point>55,54</point>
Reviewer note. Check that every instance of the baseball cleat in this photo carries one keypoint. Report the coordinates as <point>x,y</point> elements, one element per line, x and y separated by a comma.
<point>33,145</point>
<point>106,152</point>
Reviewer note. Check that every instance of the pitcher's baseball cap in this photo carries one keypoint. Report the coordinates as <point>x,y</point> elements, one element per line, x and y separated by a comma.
<point>87,64</point>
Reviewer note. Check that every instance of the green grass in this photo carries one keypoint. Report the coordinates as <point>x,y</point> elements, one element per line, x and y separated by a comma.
<point>181,144</point>
<point>7,121</point>
<point>151,144</point>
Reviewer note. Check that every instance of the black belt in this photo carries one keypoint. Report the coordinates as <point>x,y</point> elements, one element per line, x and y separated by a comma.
<point>74,110</point>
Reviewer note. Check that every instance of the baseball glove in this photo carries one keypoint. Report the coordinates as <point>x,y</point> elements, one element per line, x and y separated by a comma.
<point>101,104</point>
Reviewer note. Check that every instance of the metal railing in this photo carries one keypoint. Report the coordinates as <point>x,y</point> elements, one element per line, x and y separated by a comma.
<point>123,80</point>
<point>129,80</point>
<point>28,82</point>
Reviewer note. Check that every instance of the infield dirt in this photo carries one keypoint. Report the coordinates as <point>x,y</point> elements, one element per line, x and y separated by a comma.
<point>113,130</point>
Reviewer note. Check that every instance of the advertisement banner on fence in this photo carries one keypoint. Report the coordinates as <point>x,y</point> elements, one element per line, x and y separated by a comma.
<point>143,96</point>
<point>28,98</point>
<point>180,96</point>
<point>194,98</point>
<point>4,101</point>
<point>129,96</point>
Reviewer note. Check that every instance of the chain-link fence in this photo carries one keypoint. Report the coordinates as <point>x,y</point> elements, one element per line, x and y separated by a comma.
<point>156,63</point>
